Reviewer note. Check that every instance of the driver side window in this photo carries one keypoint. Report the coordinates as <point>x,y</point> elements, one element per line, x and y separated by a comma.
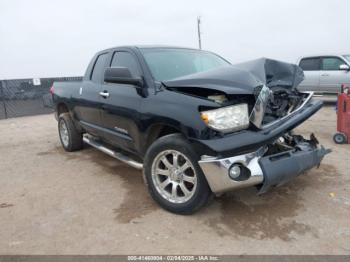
<point>331,63</point>
<point>125,59</point>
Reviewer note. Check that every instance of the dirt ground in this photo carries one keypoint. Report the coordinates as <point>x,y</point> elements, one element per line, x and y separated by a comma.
<point>53,202</point>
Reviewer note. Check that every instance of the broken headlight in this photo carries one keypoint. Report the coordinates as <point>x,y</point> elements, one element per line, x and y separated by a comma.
<point>227,119</point>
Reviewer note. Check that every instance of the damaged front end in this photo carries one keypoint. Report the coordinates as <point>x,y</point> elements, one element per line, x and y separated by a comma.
<point>262,152</point>
<point>288,157</point>
<point>275,104</point>
<point>271,165</point>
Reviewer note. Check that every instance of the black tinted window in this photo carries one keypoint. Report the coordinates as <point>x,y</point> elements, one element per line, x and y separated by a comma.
<point>125,59</point>
<point>170,63</point>
<point>310,64</point>
<point>331,63</point>
<point>99,66</point>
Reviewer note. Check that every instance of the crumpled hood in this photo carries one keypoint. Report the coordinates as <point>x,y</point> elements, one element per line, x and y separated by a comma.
<point>243,78</point>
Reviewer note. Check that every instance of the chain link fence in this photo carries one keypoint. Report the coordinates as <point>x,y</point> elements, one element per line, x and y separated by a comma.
<point>26,97</point>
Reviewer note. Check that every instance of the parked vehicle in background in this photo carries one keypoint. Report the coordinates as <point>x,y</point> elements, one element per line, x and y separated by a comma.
<point>325,73</point>
<point>193,122</point>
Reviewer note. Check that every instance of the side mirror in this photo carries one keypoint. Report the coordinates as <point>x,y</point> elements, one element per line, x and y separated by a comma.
<point>121,75</point>
<point>344,67</point>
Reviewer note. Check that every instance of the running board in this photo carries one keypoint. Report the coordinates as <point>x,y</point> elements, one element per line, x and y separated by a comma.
<point>123,158</point>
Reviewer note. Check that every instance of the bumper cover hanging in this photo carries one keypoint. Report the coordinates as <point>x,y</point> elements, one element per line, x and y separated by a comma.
<point>280,168</point>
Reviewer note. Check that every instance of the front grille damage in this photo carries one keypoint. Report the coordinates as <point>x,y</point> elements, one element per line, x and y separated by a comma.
<point>281,103</point>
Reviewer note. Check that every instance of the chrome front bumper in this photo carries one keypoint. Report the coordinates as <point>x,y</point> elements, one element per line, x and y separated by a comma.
<point>216,171</point>
<point>267,171</point>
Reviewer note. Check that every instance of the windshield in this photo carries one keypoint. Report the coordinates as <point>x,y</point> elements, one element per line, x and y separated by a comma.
<point>347,57</point>
<point>170,63</point>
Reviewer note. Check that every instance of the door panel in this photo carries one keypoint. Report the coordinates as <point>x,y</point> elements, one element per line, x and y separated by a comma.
<point>120,114</point>
<point>121,108</point>
<point>311,68</point>
<point>89,102</point>
<point>331,77</point>
<point>311,81</point>
<point>332,80</point>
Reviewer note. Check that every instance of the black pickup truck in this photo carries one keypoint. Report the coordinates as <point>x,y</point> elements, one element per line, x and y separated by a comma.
<point>194,123</point>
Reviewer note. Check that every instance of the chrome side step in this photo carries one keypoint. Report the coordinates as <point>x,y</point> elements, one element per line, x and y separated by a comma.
<point>123,158</point>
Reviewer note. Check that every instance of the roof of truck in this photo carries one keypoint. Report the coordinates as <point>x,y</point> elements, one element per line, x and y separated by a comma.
<point>149,46</point>
<point>324,54</point>
<point>321,55</point>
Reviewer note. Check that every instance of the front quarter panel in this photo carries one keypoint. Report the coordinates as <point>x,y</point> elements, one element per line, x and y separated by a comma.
<point>176,110</point>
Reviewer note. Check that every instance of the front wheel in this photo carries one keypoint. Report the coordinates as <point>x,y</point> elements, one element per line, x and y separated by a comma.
<point>173,176</point>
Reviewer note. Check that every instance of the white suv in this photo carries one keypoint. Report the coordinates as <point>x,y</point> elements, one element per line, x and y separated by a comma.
<point>325,73</point>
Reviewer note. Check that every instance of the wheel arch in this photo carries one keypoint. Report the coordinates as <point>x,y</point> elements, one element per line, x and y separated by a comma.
<point>159,130</point>
<point>162,129</point>
<point>61,108</point>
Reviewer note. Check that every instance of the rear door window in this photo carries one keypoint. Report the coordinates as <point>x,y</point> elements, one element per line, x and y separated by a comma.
<point>310,64</point>
<point>98,70</point>
<point>331,63</point>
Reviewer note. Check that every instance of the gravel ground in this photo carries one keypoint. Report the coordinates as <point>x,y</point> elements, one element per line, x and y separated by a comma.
<point>53,202</point>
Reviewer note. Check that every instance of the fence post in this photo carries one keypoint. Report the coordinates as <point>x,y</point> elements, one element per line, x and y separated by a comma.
<point>2,82</point>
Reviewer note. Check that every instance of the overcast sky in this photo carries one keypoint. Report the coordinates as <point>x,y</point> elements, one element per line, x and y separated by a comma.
<point>47,38</point>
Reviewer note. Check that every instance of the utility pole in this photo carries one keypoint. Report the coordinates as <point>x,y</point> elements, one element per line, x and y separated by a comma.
<point>199,32</point>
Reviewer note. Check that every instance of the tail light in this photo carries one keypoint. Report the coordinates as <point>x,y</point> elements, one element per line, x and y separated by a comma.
<point>52,90</point>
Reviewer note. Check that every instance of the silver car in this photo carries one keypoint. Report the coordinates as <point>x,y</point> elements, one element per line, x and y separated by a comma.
<point>325,73</point>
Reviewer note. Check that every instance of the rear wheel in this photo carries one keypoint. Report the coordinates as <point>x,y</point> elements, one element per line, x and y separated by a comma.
<point>340,138</point>
<point>173,176</point>
<point>71,138</point>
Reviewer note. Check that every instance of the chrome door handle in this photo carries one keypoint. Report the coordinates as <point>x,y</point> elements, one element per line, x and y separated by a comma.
<point>325,75</point>
<point>104,94</point>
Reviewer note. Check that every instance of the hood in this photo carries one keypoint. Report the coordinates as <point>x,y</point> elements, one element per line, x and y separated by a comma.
<point>243,78</point>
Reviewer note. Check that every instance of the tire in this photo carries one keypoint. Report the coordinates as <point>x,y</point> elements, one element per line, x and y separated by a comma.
<point>340,138</point>
<point>191,188</point>
<point>71,139</point>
